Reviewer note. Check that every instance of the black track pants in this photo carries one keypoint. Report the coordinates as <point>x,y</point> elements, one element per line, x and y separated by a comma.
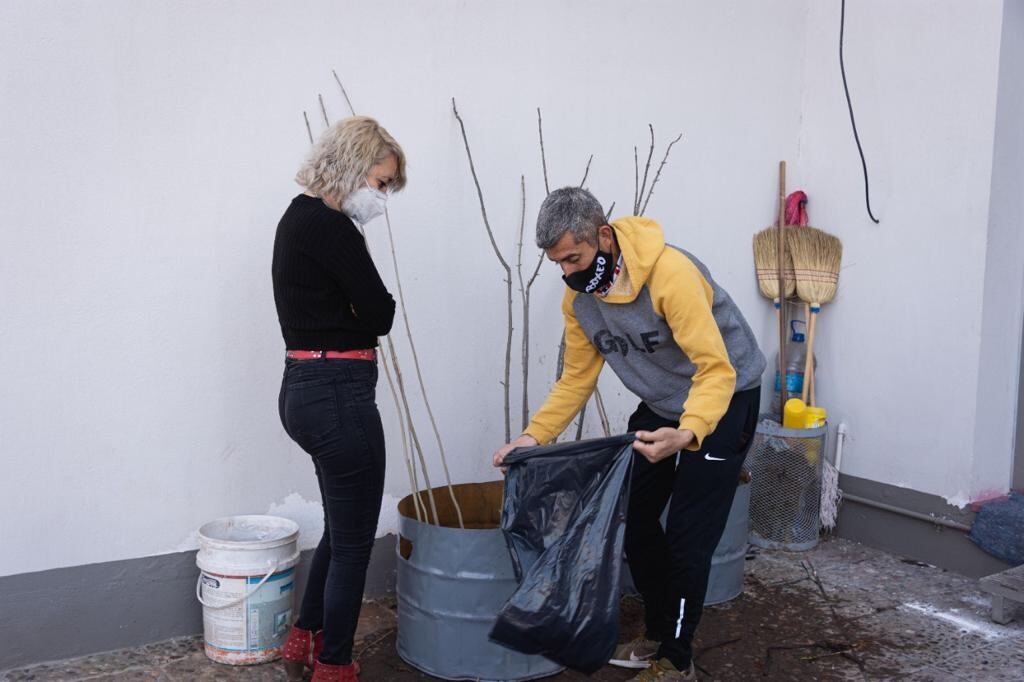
<point>670,567</point>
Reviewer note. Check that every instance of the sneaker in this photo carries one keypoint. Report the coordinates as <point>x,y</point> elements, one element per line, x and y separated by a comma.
<point>636,654</point>
<point>662,670</point>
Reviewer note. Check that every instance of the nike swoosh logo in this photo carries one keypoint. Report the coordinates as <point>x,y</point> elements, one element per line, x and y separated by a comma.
<point>709,458</point>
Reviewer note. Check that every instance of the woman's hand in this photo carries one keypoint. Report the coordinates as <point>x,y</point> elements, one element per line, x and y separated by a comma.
<point>666,441</point>
<point>524,441</point>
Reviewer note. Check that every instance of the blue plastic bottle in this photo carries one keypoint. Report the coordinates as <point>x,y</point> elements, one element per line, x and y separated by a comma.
<point>796,361</point>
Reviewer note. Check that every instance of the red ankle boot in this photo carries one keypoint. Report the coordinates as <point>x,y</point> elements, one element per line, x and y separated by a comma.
<point>324,672</point>
<point>300,651</point>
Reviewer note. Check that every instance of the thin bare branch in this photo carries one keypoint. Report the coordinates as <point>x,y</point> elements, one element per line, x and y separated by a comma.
<point>504,264</point>
<point>536,271</point>
<point>543,158</point>
<point>608,215</point>
<point>601,413</point>
<point>344,93</point>
<point>560,365</point>
<point>526,333</point>
<point>636,181</point>
<point>419,374</point>
<point>658,174</point>
<point>323,110</point>
<point>525,297</point>
<point>309,131</point>
<point>412,429</point>
<point>561,345</point>
<point>508,361</point>
<point>479,192</point>
<point>404,421</point>
<point>587,171</point>
<point>522,228</point>
<point>579,424</point>
<point>409,466</point>
<point>647,168</point>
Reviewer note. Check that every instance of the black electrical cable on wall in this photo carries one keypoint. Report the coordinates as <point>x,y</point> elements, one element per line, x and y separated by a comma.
<point>849,105</point>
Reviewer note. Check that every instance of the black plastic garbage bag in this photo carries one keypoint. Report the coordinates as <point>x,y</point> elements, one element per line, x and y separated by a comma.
<point>564,518</point>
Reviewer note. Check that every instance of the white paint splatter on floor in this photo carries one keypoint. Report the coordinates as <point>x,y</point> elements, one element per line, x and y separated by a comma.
<point>964,622</point>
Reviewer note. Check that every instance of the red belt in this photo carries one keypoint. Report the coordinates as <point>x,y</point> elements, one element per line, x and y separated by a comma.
<point>361,354</point>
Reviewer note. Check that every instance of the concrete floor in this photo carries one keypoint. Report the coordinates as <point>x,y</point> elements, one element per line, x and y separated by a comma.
<point>839,612</point>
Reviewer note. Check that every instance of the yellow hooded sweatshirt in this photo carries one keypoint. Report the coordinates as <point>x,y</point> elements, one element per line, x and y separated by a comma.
<point>673,336</point>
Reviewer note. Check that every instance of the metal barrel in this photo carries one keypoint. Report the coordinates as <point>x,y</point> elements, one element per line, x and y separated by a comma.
<point>451,584</point>
<point>727,564</point>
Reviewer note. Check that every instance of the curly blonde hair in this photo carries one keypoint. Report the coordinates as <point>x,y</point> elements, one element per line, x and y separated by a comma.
<point>343,156</point>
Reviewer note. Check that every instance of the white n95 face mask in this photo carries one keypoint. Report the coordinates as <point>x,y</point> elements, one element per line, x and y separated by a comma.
<point>364,204</point>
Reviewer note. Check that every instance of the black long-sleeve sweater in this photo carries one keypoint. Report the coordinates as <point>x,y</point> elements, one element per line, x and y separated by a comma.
<point>328,292</point>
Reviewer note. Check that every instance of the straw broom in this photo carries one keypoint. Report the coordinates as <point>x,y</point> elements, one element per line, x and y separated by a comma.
<point>766,266</point>
<point>817,256</point>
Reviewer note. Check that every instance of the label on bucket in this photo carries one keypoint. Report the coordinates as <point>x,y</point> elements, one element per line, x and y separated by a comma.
<point>258,623</point>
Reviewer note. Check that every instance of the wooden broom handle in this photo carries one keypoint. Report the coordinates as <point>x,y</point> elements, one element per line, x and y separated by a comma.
<point>780,261</point>
<point>809,366</point>
<point>814,397</point>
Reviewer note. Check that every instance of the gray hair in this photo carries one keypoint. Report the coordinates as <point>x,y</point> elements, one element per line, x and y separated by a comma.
<point>569,209</point>
<point>343,156</point>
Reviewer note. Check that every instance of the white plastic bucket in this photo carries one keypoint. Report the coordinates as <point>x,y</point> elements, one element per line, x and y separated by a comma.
<point>246,582</point>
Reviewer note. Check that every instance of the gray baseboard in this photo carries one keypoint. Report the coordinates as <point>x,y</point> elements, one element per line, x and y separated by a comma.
<point>67,612</point>
<point>909,537</point>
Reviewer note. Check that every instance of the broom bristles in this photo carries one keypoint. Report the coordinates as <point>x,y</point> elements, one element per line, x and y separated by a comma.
<point>766,265</point>
<point>817,257</point>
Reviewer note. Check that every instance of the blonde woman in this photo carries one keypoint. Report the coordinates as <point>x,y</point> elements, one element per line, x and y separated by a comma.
<point>332,306</point>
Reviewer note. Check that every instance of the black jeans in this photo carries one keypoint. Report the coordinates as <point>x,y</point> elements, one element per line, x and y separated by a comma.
<point>670,567</point>
<point>329,408</point>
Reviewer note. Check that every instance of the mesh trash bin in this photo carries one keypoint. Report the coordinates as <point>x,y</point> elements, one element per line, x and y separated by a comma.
<point>785,493</point>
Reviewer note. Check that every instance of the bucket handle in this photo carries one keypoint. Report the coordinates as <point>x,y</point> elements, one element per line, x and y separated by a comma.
<point>234,602</point>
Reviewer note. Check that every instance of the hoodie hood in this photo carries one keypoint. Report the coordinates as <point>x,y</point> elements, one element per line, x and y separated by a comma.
<point>641,241</point>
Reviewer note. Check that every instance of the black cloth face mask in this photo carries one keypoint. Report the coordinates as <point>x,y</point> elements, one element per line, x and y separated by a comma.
<point>596,276</point>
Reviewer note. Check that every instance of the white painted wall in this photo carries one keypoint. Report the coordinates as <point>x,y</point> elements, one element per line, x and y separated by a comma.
<point>148,153</point>
<point>1004,272</point>
<point>900,346</point>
